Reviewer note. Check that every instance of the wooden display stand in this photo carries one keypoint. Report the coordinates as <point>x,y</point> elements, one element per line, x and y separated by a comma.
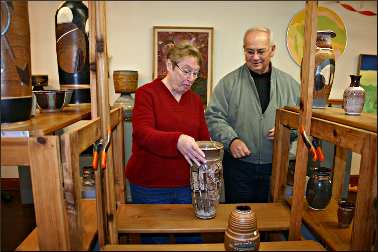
<point>64,221</point>
<point>357,133</point>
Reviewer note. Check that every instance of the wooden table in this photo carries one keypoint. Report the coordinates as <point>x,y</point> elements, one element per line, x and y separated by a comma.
<point>264,246</point>
<point>40,149</point>
<point>357,133</point>
<point>180,218</point>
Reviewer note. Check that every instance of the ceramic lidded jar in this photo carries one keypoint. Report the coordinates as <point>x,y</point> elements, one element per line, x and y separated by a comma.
<point>319,189</point>
<point>206,180</point>
<point>241,233</point>
<point>354,97</point>
<point>324,68</point>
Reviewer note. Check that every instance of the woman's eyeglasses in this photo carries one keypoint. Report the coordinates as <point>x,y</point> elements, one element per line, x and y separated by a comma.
<point>187,73</point>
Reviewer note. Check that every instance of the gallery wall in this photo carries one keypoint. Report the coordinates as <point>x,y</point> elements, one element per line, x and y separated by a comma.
<point>130,34</point>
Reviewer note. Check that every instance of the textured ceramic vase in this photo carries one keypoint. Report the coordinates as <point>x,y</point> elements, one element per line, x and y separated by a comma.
<point>354,97</point>
<point>16,88</point>
<point>324,68</point>
<point>206,180</point>
<point>125,81</point>
<point>241,233</point>
<point>72,49</point>
<point>319,189</point>
<point>345,213</point>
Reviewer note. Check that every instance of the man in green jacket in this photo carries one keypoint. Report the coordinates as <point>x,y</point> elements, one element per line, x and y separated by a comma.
<point>241,115</point>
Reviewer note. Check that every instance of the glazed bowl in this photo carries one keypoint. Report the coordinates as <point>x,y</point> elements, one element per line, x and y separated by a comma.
<point>68,96</point>
<point>40,80</point>
<point>50,100</point>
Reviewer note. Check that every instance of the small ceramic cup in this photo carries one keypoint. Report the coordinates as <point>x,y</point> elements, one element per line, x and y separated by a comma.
<point>345,213</point>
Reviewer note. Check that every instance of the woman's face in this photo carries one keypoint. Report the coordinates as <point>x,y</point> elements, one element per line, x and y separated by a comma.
<point>183,73</point>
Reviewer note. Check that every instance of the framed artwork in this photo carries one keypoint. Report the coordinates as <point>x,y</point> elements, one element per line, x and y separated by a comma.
<point>327,20</point>
<point>367,68</point>
<point>201,37</point>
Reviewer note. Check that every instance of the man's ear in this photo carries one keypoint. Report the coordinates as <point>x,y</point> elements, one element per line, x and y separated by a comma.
<point>273,48</point>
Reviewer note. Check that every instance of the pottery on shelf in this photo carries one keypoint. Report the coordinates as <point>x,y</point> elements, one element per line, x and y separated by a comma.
<point>354,97</point>
<point>345,213</point>
<point>125,81</point>
<point>324,68</point>
<point>206,180</point>
<point>319,189</point>
<point>241,233</point>
<point>16,88</point>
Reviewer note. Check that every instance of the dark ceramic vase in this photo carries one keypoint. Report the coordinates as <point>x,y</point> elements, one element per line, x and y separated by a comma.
<point>206,180</point>
<point>241,233</point>
<point>345,213</point>
<point>324,68</point>
<point>72,49</point>
<point>319,189</point>
<point>354,97</point>
<point>16,88</point>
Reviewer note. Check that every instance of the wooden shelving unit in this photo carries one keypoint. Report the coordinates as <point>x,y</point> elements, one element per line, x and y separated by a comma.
<point>357,133</point>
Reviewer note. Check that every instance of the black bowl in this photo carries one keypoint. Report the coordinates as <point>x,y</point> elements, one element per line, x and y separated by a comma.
<point>50,100</point>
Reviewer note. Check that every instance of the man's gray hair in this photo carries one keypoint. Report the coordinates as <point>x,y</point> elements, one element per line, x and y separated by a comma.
<point>259,29</point>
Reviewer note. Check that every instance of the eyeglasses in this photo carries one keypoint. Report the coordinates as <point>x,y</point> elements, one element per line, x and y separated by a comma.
<point>259,52</point>
<point>188,73</point>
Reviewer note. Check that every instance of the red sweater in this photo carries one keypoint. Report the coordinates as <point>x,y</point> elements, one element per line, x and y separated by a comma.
<point>158,121</point>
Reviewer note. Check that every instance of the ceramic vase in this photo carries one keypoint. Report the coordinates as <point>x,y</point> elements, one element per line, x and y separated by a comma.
<point>354,97</point>
<point>16,88</point>
<point>241,233</point>
<point>206,180</point>
<point>324,68</point>
<point>72,49</point>
<point>319,189</point>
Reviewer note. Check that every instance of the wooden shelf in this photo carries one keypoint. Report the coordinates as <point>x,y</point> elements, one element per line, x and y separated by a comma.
<point>264,246</point>
<point>356,133</point>
<point>180,218</point>
<point>88,217</point>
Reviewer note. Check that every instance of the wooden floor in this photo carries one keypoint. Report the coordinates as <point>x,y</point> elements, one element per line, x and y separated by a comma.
<point>17,220</point>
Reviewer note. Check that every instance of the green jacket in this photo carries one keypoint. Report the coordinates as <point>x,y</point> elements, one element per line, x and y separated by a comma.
<point>234,111</point>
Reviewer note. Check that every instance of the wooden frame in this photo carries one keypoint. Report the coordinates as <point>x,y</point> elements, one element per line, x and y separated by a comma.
<point>201,37</point>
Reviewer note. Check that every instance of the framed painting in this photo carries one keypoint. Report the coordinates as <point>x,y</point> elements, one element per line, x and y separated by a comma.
<point>201,37</point>
<point>367,68</point>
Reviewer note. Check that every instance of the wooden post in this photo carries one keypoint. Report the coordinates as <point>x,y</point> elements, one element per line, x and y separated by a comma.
<point>305,113</point>
<point>109,219</point>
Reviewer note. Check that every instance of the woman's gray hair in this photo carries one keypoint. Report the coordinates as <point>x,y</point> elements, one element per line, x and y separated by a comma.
<point>259,29</point>
<point>183,49</point>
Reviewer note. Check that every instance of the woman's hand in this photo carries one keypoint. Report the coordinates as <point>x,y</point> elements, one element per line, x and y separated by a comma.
<point>190,150</point>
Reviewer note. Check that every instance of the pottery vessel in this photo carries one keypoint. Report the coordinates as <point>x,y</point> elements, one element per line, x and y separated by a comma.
<point>354,97</point>
<point>125,81</point>
<point>324,68</point>
<point>345,213</point>
<point>16,88</point>
<point>72,49</point>
<point>241,233</point>
<point>319,189</point>
<point>206,180</point>
<point>50,100</point>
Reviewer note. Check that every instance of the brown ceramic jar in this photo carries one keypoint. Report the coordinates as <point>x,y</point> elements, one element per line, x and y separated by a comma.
<point>241,233</point>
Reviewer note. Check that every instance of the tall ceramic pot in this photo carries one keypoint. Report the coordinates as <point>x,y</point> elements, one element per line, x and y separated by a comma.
<point>72,49</point>
<point>241,233</point>
<point>206,180</point>
<point>324,68</point>
<point>354,97</point>
<point>16,88</point>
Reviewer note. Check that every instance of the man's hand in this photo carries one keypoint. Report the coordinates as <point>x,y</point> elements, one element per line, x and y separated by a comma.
<point>239,149</point>
<point>190,150</point>
<point>270,134</point>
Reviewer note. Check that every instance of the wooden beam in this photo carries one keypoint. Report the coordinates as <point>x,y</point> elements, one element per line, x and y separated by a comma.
<point>14,151</point>
<point>307,84</point>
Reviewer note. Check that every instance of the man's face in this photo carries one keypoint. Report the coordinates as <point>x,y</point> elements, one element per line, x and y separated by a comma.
<point>258,51</point>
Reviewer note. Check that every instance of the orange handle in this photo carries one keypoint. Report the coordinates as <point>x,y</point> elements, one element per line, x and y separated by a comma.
<point>314,154</point>
<point>95,160</point>
<point>103,160</point>
<point>320,153</point>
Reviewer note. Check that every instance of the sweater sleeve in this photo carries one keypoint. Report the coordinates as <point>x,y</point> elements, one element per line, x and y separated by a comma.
<point>145,135</point>
<point>217,113</point>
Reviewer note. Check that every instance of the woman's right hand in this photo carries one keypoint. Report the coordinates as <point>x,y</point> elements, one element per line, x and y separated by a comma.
<point>190,150</point>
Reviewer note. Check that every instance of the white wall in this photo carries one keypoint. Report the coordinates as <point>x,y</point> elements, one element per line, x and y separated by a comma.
<point>130,34</point>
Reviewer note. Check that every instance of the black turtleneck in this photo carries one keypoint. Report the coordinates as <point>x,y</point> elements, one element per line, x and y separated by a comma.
<point>262,83</point>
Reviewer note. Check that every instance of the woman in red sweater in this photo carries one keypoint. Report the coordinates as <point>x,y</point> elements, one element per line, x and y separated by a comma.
<point>168,119</point>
